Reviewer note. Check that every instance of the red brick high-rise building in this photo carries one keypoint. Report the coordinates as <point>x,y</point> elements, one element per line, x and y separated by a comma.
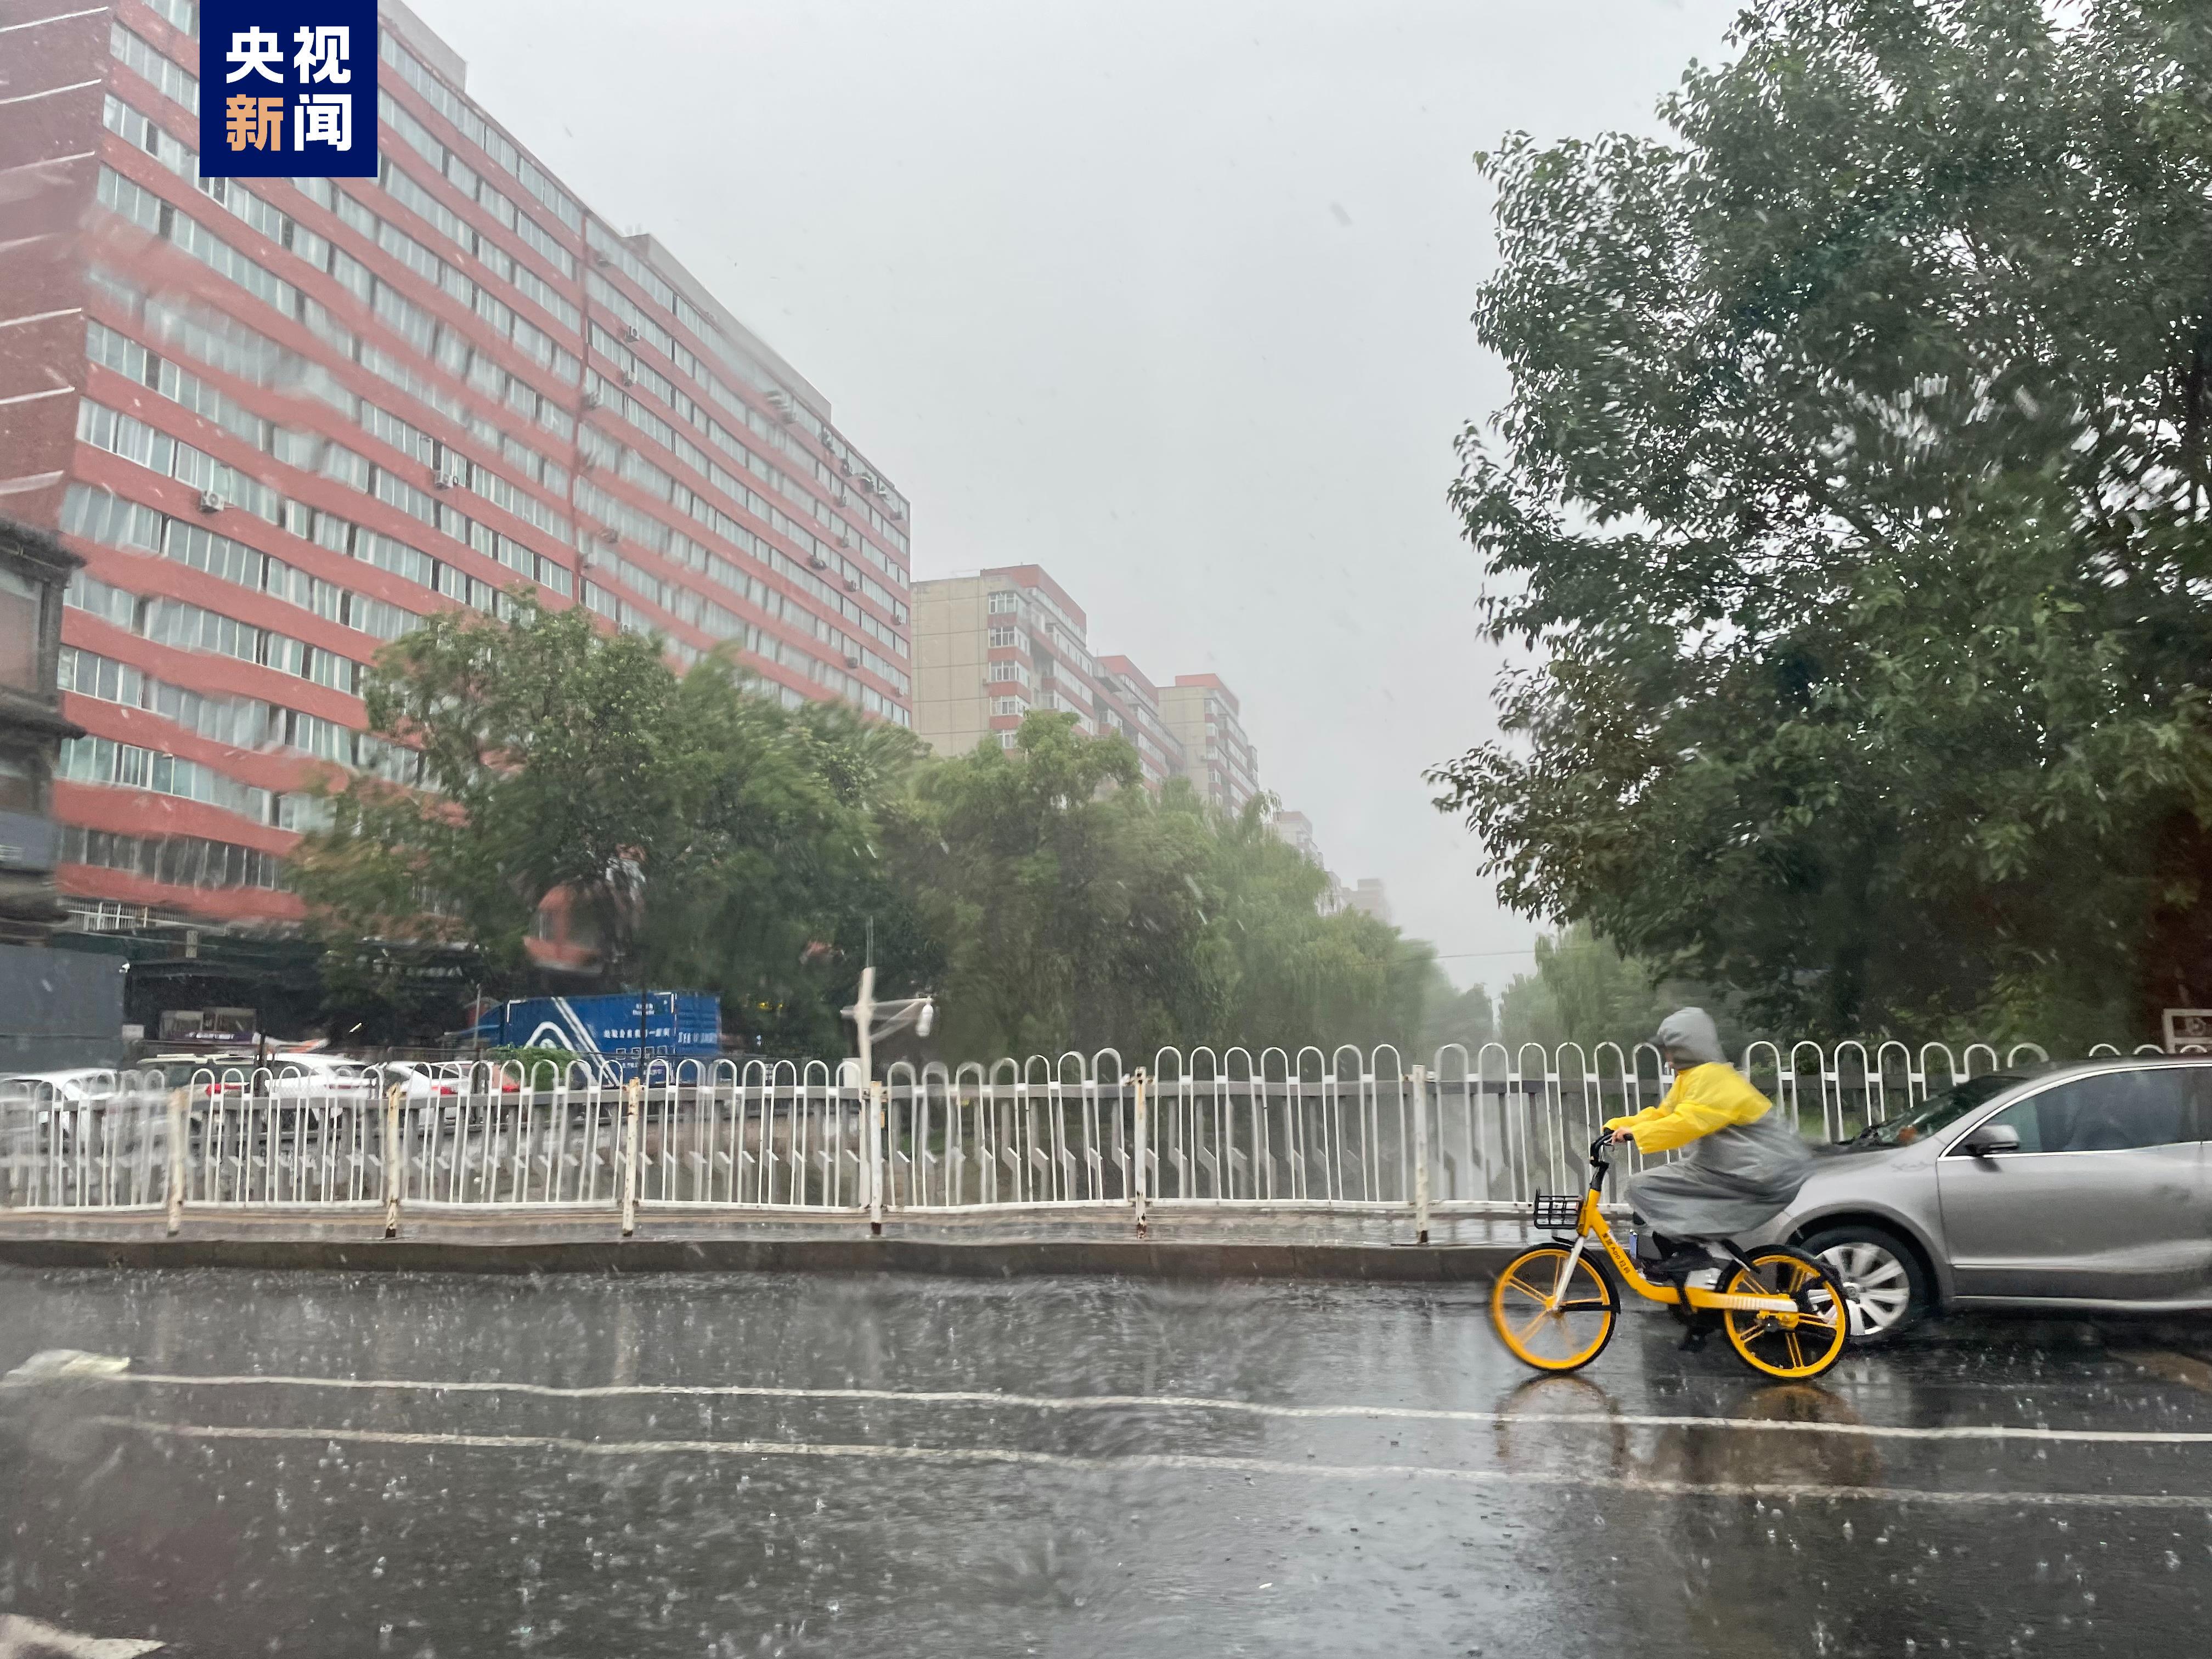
<point>281,420</point>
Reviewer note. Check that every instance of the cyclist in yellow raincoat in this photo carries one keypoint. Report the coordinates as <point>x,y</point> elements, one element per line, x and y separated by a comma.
<point>1745,1160</point>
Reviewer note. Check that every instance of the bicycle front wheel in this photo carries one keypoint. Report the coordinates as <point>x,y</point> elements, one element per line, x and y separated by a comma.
<point>1804,1347</point>
<point>1564,1337</point>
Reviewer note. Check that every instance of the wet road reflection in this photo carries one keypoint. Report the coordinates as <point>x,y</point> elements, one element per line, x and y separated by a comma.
<point>860,1465</point>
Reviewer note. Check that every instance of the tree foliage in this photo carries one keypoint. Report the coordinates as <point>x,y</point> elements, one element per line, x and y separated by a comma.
<point>1077,911</point>
<point>1466,1017</point>
<point>1281,974</point>
<point>708,837</point>
<point>1852,490</point>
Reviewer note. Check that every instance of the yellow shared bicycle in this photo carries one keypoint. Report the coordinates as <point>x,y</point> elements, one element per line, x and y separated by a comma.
<point>1554,1305</point>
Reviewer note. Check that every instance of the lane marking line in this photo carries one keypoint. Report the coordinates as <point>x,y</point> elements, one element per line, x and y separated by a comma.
<point>1125,1401</point>
<point>22,1638</point>
<point>1140,1461</point>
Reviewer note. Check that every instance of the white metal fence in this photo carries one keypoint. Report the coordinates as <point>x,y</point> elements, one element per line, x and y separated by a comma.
<point>1345,1132</point>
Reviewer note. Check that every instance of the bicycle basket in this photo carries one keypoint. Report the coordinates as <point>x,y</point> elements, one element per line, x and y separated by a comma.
<point>1558,1212</point>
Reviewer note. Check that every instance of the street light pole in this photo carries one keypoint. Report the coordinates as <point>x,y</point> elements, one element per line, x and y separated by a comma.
<point>864,1015</point>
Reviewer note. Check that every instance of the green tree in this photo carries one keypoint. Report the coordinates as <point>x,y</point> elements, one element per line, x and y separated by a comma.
<point>1075,910</point>
<point>1282,974</point>
<point>708,835</point>
<point>713,839</point>
<point>1067,900</point>
<point>1455,1015</point>
<point>1852,490</point>
<point>1585,991</point>
<point>775,887</point>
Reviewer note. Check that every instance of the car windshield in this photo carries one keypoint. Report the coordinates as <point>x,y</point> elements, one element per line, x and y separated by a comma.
<point>1937,1111</point>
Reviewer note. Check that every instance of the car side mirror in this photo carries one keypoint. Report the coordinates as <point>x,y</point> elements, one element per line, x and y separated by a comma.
<point>1990,1140</point>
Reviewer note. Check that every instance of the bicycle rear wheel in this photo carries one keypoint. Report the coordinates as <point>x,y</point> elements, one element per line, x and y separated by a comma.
<point>1805,1347</point>
<point>1561,1338</point>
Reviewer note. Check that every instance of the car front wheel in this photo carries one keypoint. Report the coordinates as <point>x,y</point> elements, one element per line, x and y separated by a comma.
<point>1883,1280</point>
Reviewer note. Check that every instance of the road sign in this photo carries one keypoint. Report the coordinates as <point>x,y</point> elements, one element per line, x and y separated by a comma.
<point>2188,1028</point>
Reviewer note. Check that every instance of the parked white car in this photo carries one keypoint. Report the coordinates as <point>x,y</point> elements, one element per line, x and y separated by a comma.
<point>46,1106</point>
<point>320,1078</point>
<point>335,1078</point>
<point>75,1086</point>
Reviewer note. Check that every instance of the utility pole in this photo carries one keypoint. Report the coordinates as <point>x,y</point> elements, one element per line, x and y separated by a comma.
<point>864,1008</point>
<point>864,1015</point>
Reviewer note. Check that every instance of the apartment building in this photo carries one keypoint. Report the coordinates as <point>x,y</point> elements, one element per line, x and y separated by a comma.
<point>1136,705</point>
<point>990,648</point>
<point>1296,830</point>
<point>280,423</point>
<point>1204,717</point>
<point>1370,898</point>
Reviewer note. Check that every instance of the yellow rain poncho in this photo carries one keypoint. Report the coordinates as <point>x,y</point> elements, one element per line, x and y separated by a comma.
<point>1746,1161</point>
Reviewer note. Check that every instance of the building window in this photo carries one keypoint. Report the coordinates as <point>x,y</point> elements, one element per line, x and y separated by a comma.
<point>23,604</point>
<point>1007,635</point>
<point>19,784</point>
<point>1003,601</point>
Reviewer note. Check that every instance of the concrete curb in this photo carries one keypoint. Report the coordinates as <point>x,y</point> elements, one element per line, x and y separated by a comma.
<point>1126,1258</point>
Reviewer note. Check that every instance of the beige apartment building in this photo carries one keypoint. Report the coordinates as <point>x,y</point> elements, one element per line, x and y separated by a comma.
<point>1369,898</point>
<point>1218,759</point>
<point>989,647</point>
<point>1296,830</point>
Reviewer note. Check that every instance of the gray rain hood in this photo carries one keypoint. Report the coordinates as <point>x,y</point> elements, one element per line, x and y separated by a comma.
<point>1692,1030</point>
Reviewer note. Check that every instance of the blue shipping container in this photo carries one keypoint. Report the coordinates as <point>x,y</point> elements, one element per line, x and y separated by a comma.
<point>679,1025</point>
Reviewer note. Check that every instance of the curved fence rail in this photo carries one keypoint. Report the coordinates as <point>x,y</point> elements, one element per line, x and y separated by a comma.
<point>1345,1131</point>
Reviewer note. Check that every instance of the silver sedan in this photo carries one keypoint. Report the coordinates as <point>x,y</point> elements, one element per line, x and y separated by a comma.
<point>2081,1186</point>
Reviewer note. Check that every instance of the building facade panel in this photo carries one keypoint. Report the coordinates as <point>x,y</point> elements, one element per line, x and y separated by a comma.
<point>279,423</point>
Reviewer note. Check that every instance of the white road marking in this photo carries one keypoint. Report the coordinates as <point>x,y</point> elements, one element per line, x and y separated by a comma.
<point>67,1362</point>
<point>21,1638</point>
<point>1136,1462</point>
<point>1199,1402</point>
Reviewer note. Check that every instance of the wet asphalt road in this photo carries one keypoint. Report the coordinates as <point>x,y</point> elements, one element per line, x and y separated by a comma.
<point>603,1511</point>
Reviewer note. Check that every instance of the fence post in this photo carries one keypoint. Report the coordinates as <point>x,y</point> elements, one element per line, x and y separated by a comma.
<point>1420,1154</point>
<point>632,1109</point>
<point>1139,1136</point>
<point>179,1127</point>
<point>878,1120</point>
<point>395,1162</point>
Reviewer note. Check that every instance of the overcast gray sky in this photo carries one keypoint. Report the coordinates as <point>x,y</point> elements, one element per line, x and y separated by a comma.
<point>1170,299</point>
